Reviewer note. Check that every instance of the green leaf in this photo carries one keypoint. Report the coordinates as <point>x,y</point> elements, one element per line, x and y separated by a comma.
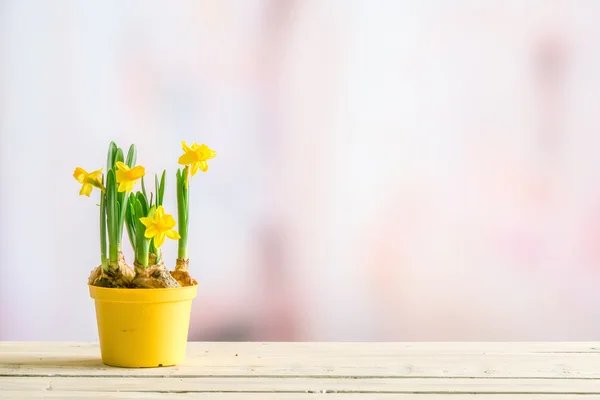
<point>182,213</point>
<point>130,215</point>
<point>186,201</point>
<point>156,188</point>
<point>131,156</point>
<point>119,155</point>
<point>144,188</point>
<point>121,201</point>
<point>161,191</point>
<point>121,204</point>
<point>130,219</point>
<point>131,203</point>
<point>122,212</point>
<point>144,203</point>
<point>103,230</point>
<point>151,213</point>
<point>142,244</point>
<point>139,212</point>
<point>112,216</point>
<point>111,200</point>
<point>131,234</point>
<point>110,158</point>
<point>185,191</point>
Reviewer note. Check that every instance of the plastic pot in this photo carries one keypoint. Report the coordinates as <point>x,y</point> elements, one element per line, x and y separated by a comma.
<point>143,327</point>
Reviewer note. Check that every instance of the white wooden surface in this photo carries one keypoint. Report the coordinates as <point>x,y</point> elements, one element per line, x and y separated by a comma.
<point>377,371</point>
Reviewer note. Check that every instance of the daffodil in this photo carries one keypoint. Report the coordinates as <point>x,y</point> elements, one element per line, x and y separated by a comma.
<point>159,226</point>
<point>88,180</point>
<point>196,156</point>
<point>127,177</point>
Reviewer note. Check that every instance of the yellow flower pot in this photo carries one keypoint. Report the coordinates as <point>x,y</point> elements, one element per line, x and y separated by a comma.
<point>143,327</point>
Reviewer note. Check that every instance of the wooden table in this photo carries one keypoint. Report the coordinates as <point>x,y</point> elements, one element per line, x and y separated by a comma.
<point>267,371</point>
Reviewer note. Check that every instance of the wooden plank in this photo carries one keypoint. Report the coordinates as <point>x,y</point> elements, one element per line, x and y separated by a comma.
<point>275,396</point>
<point>422,371</point>
<point>496,360</point>
<point>324,348</point>
<point>304,385</point>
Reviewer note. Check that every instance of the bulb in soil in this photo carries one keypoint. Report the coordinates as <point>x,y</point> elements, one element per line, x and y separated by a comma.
<point>118,278</point>
<point>182,274</point>
<point>154,277</point>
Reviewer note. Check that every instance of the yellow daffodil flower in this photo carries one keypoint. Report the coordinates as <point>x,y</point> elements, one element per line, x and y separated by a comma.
<point>196,156</point>
<point>160,226</point>
<point>88,180</point>
<point>127,177</point>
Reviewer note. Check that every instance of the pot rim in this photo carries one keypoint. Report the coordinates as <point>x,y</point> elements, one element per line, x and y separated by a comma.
<point>135,295</point>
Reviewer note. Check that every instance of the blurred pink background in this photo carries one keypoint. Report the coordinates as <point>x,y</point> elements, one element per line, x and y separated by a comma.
<point>385,170</point>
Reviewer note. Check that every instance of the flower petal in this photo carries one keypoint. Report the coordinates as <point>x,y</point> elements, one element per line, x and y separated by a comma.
<point>185,147</point>
<point>186,159</point>
<point>95,175</point>
<point>95,182</point>
<point>171,234</point>
<point>195,167</point>
<point>86,189</point>
<point>122,166</point>
<point>121,176</point>
<point>148,222</point>
<point>168,221</point>
<point>80,174</point>
<point>126,186</point>
<point>206,152</point>
<point>160,212</point>
<point>159,239</point>
<point>137,172</point>
<point>203,166</point>
<point>151,231</point>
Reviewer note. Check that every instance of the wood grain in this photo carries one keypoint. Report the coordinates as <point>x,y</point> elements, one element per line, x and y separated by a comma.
<point>426,371</point>
<point>280,396</point>
<point>304,385</point>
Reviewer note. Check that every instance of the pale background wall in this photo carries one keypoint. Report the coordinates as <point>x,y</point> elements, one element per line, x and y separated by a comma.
<point>386,170</point>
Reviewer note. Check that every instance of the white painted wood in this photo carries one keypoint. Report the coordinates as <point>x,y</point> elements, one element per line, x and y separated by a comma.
<point>426,371</point>
<point>278,396</point>
<point>303,385</point>
<point>323,359</point>
<point>336,347</point>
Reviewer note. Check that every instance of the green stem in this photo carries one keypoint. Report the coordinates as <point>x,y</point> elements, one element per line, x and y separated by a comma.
<point>182,211</point>
<point>151,249</point>
<point>141,251</point>
<point>130,219</point>
<point>120,203</point>
<point>182,252</point>
<point>142,244</point>
<point>151,207</point>
<point>103,230</point>
<point>122,196</point>
<point>112,219</point>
